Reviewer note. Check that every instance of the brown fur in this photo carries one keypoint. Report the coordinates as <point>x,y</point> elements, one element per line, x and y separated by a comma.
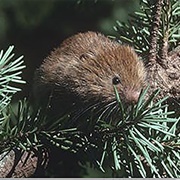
<point>84,66</point>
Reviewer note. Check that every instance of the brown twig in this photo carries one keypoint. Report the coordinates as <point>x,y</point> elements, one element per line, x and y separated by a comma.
<point>20,165</point>
<point>165,28</point>
<point>154,32</point>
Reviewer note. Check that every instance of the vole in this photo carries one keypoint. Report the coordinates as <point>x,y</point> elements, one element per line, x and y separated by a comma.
<point>84,69</point>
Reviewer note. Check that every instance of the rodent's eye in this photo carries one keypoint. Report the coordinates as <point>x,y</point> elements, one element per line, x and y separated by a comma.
<point>116,80</point>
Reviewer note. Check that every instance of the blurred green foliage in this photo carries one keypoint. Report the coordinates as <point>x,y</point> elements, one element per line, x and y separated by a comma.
<point>35,27</point>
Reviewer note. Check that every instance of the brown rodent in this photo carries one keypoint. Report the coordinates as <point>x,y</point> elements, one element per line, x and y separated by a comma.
<point>84,69</point>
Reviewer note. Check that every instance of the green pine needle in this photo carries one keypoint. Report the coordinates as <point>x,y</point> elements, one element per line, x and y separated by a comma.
<point>133,140</point>
<point>10,74</point>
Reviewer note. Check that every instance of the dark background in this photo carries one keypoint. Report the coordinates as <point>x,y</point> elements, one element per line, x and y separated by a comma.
<point>35,27</point>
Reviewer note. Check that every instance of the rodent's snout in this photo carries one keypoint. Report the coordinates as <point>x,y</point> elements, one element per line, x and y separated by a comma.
<point>131,96</point>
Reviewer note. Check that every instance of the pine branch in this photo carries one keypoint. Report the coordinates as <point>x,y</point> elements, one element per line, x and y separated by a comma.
<point>154,31</point>
<point>149,31</point>
<point>154,39</point>
<point>165,33</point>
<point>10,73</point>
<point>26,136</point>
<point>135,141</point>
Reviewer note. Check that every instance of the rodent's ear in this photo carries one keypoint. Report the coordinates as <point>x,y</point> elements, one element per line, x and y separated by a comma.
<point>87,55</point>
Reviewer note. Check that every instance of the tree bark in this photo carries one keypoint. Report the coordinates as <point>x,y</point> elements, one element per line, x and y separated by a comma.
<point>17,164</point>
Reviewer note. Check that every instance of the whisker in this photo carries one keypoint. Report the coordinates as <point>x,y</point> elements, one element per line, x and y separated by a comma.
<point>84,111</point>
<point>106,108</point>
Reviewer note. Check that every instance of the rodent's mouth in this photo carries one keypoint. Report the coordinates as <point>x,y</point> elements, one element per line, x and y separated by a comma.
<point>128,96</point>
<point>131,96</point>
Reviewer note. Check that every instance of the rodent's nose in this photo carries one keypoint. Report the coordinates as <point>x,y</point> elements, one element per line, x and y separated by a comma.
<point>132,96</point>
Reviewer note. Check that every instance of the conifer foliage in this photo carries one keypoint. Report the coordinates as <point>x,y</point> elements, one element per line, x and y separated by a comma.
<point>141,140</point>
